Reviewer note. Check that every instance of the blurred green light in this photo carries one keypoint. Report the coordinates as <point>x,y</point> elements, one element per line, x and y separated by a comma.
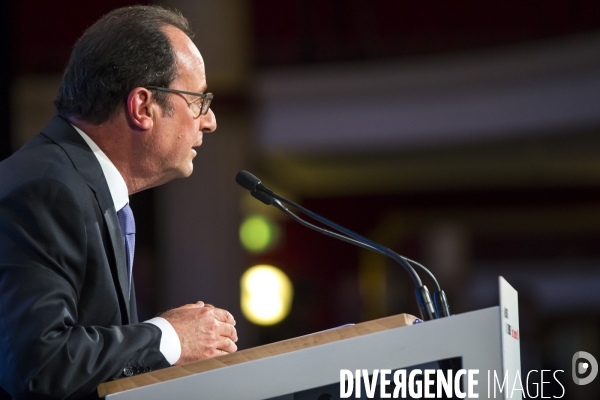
<point>257,233</point>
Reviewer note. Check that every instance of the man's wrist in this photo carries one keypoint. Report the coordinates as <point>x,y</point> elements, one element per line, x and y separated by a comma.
<point>170,345</point>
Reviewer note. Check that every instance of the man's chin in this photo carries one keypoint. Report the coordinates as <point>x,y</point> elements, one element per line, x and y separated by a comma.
<point>178,173</point>
<point>187,171</point>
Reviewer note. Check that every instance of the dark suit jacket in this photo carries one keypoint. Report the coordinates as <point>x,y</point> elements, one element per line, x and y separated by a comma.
<point>66,324</point>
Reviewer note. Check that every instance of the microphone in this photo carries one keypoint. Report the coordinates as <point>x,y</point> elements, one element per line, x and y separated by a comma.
<point>437,308</point>
<point>248,181</point>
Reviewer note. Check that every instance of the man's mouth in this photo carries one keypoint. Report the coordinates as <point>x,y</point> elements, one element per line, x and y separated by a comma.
<point>199,141</point>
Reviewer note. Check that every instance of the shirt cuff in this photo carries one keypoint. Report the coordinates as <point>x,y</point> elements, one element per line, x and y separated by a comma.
<point>170,346</point>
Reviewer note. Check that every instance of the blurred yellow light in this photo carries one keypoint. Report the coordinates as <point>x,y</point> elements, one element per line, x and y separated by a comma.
<point>267,295</point>
<point>257,233</point>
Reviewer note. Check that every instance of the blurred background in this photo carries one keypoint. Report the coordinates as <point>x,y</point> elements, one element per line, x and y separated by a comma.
<point>464,134</point>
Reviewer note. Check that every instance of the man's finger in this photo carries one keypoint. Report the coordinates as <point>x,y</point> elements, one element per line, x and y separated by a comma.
<point>223,316</point>
<point>227,330</point>
<point>227,346</point>
<point>195,305</point>
<point>217,352</point>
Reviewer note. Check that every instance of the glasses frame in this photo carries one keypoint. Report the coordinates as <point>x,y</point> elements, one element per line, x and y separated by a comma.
<point>206,98</point>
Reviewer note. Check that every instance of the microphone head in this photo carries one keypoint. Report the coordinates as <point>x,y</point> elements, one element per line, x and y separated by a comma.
<point>246,180</point>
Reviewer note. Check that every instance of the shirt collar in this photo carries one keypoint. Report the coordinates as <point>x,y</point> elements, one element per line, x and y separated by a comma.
<point>114,179</point>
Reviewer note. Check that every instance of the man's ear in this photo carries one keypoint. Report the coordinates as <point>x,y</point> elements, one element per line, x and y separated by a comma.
<point>140,107</point>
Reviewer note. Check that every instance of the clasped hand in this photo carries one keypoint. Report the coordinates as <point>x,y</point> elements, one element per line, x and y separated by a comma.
<point>204,331</point>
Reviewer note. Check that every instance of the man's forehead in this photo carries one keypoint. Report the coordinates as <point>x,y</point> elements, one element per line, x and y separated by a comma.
<point>183,46</point>
<point>189,61</point>
<point>187,57</point>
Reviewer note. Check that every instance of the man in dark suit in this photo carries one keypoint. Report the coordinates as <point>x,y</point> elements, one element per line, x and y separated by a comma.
<point>130,110</point>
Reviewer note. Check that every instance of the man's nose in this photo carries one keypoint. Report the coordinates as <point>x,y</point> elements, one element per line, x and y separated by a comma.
<point>208,122</point>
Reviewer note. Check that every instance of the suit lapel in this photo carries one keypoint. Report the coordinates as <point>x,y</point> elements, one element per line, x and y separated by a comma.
<point>63,134</point>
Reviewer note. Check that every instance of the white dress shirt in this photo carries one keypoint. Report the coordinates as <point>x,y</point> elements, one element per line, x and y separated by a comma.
<point>170,345</point>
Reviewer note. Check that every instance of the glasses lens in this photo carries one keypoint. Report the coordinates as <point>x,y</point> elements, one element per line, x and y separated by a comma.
<point>196,107</point>
<point>206,103</point>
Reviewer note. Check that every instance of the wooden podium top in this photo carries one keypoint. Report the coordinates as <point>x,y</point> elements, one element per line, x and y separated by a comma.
<point>255,353</point>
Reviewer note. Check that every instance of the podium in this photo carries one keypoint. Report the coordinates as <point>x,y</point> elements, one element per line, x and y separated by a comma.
<point>309,366</point>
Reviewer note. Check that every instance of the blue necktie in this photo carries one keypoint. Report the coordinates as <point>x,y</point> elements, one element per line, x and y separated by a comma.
<point>127,224</point>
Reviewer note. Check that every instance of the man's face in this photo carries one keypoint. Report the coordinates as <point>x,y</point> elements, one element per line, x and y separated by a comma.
<point>174,135</point>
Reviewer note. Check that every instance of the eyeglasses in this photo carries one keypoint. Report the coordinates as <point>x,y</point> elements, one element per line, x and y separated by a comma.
<point>198,107</point>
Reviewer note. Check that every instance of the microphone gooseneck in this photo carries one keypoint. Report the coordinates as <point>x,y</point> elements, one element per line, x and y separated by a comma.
<point>430,309</point>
